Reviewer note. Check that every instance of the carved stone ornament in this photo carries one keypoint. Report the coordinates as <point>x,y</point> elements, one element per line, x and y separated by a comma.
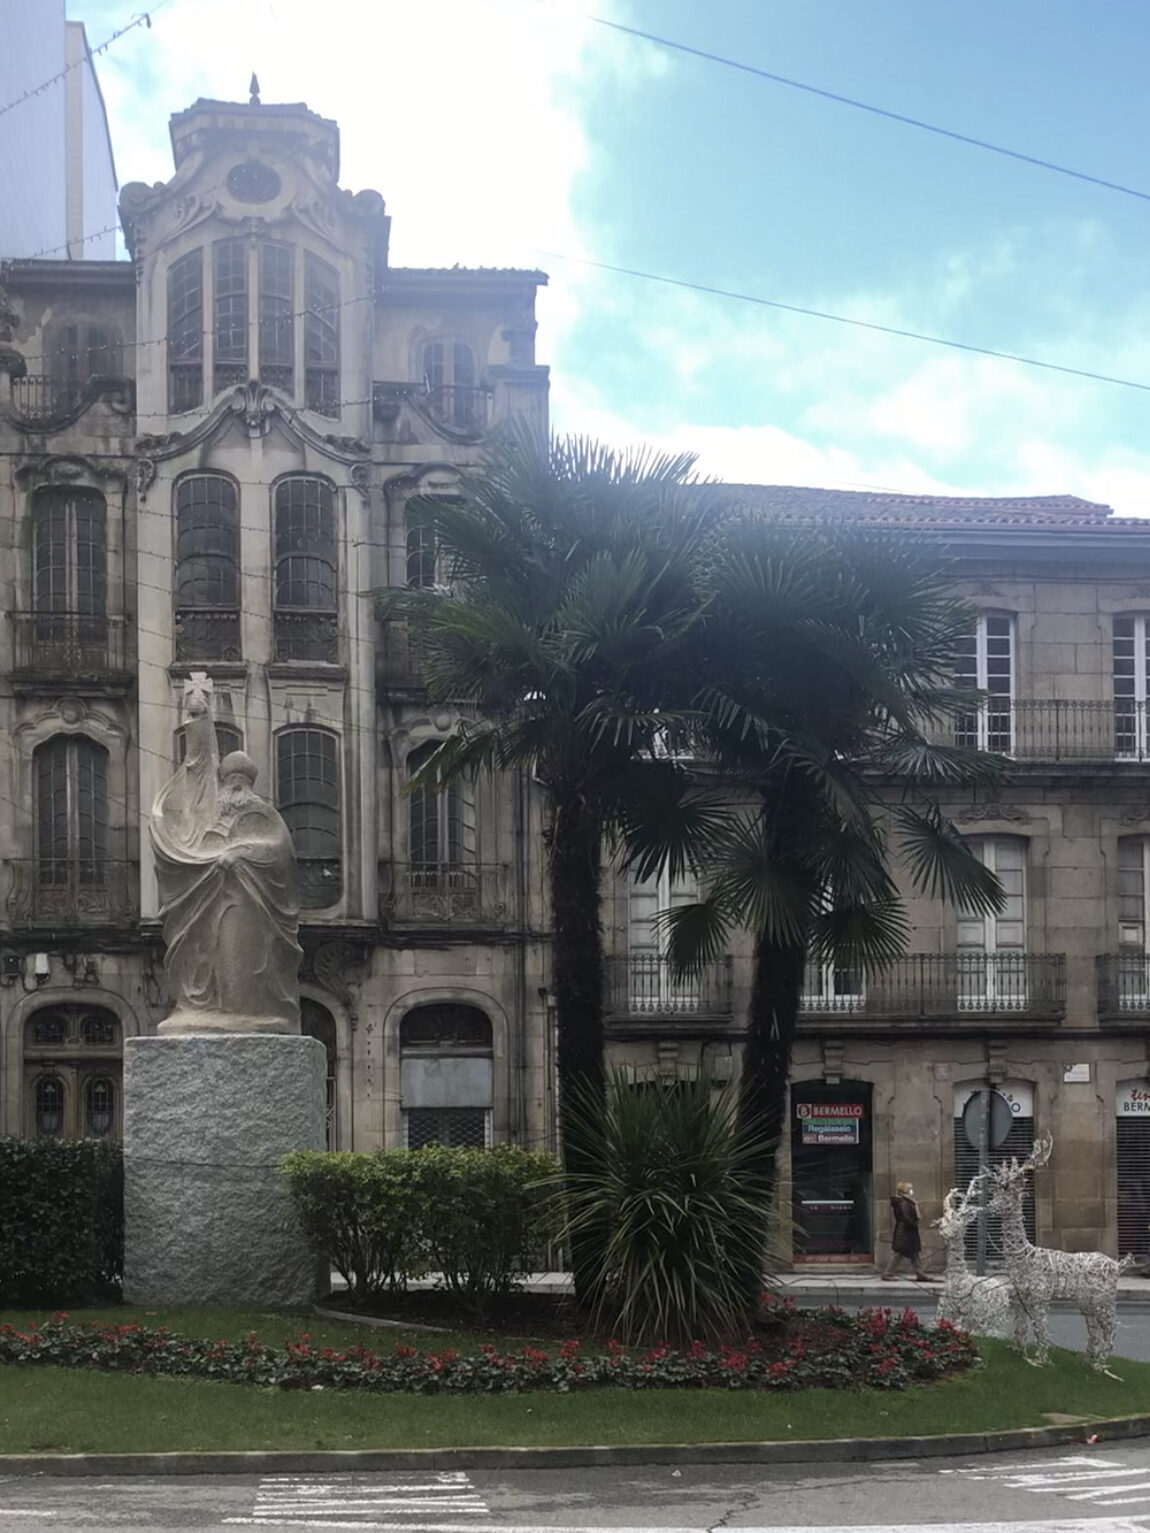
<point>145,476</point>
<point>1135,816</point>
<point>337,966</point>
<point>68,468</point>
<point>256,404</point>
<point>359,476</point>
<point>1011,812</point>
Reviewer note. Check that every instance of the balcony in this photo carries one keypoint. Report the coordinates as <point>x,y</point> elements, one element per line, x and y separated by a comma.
<point>307,636</point>
<point>936,987</point>
<point>443,894</point>
<point>41,401</point>
<point>396,664</point>
<point>462,409</point>
<point>1123,987</point>
<point>68,646</point>
<point>68,891</point>
<point>208,633</point>
<point>1054,730</point>
<point>644,985</point>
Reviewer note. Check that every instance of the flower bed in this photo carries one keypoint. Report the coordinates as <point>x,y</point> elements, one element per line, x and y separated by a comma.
<point>806,1349</point>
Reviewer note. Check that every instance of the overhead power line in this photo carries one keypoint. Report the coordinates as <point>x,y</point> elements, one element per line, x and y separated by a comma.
<point>907,121</point>
<point>141,19</point>
<point>844,319</point>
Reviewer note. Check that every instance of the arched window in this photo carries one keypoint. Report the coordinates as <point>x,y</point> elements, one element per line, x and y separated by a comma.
<point>306,600</point>
<point>207,569</point>
<point>308,797</point>
<point>69,577</point>
<point>71,777</point>
<point>99,1107</point>
<point>422,557</point>
<point>321,336</point>
<point>449,375</point>
<point>317,1022</point>
<point>49,1118</point>
<point>186,332</point>
<point>79,350</point>
<point>446,1076</point>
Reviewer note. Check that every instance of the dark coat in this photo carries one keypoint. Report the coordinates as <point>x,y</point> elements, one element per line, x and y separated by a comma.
<point>905,1240</point>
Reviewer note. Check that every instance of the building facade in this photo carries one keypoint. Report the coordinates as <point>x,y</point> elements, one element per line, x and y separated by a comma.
<point>229,497</point>
<point>57,172</point>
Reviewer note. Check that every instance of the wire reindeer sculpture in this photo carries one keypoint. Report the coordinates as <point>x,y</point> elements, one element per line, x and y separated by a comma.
<point>981,1303</point>
<point>1039,1275</point>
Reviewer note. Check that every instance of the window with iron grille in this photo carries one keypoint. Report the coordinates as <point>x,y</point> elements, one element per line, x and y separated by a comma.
<point>449,377</point>
<point>277,316</point>
<point>77,351</point>
<point>986,664</point>
<point>207,568</point>
<point>321,336</point>
<point>69,569</point>
<point>446,1075</point>
<point>230,303</point>
<point>71,775</point>
<point>186,332</point>
<point>467,1127</point>
<point>306,598</point>
<point>308,797</point>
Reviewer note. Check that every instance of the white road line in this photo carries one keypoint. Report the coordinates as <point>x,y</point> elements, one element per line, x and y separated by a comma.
<point>1045,1525</point>
<point>435,1503</point>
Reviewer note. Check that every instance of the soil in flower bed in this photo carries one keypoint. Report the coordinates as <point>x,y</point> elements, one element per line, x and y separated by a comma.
<point>550,1315</point>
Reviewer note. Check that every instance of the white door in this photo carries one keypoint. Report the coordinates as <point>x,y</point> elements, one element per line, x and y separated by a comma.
<point>652,986</point>
<point>992,949</point>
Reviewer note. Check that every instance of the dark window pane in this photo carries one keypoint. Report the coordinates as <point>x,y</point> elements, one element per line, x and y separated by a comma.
<point>308,797</point>
<point>49,1107</point>
<point>71,812</point>
<point>207,542</point>
<point>99,1107</point>
<point>305,553</point>
<point>185,332</point>
<point>277,317</point>
<point>69,553</point>
<point>445,1026</point>
<point>321,336</point>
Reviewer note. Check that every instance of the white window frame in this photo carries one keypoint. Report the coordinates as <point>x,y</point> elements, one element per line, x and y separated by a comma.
<point>666,994</point>
<point>1133,967</point>
<point>983,729</point>
<point>986,976</point>
<point>1139,733</point>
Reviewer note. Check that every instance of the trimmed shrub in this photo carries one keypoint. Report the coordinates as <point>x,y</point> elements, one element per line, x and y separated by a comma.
<point>475,1218</point>
<point>61,1221</point>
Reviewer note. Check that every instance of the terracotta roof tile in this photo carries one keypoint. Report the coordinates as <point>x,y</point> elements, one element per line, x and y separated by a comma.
<point>936,511</point>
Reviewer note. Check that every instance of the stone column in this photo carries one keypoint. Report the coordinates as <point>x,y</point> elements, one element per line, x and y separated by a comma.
<point>207,1119</point>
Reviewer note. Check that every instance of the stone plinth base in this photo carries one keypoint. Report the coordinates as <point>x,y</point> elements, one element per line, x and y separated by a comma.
<point>206,1211</point>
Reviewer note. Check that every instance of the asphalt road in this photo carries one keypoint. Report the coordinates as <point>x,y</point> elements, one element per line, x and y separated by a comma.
<point>1080,1490</point>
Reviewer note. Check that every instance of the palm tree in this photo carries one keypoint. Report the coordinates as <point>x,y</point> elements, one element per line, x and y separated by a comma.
<point>570,590</point>
<point>823,668</point>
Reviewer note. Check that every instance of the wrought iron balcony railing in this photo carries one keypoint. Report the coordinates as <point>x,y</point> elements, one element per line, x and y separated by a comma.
<point>645,985</point>
<point>302,635</point>
<point>208,633</point>
<point>64,891</point>
<point>943,986</point>
<point>461,408</point>
<point>1054,729</point>
<point>445,894</point>
<point>69,644</point>
<point>1123,985</point>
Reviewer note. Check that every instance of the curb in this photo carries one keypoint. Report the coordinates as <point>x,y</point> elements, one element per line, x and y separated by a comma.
<point>369,1460</point>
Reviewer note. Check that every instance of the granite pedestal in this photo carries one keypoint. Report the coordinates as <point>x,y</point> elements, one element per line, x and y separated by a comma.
<point>207,1119</point>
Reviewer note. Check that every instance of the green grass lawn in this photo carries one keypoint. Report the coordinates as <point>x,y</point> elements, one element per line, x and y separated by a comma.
<point>53,1410</point>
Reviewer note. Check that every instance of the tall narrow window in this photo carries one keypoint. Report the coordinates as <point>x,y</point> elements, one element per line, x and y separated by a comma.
<point>186,332</point>
<point>207,569</point>
<point>230,298</point>
<point>78,351</point>
<point>441,827</point>
<point>1131,659</point>
<point>422,557</point>
<point>992,948</point>
<point>653,985</point>
<point>49,1107</point>
<point>1133,885</point>
<point>321,336</point>
<point>307,793</point>
<point>71,774</point>
<point>306,620</point>
<point>69,578</point>
<point>986,664</point>
<point>449,377</point>
<point>277,317</point>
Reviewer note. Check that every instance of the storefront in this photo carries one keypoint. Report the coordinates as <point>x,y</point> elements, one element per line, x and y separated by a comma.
<point>1132,1145</point>
<point>993,1125</point>
<point>831,1172</point>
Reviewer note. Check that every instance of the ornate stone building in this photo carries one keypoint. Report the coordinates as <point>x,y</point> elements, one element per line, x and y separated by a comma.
<point>205,457</point>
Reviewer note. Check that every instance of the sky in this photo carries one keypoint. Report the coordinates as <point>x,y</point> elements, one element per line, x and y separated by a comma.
<point>528,133</point>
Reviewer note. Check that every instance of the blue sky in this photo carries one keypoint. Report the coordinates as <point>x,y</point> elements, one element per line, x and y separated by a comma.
<point>518,132</point>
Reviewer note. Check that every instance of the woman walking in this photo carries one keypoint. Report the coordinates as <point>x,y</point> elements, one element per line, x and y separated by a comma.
<point>905,1240</point>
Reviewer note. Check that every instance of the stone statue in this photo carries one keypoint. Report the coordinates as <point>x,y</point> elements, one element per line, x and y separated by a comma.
<point>229,890</point>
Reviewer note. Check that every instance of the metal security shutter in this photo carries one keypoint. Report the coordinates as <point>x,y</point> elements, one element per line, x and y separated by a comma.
<point>1133,1146</point>
<point>465,1127</point>
<point>1016,1146</point>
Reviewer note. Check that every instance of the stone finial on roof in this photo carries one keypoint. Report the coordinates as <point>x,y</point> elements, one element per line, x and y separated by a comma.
<point>254,87</point>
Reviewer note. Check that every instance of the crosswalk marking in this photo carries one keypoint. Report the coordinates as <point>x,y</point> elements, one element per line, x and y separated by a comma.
<point>417,1503</point>
<point>1102,1481</point>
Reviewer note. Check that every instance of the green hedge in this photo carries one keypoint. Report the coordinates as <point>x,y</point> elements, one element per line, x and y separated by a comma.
<point>61,1221</point>
<point>475,1218</point>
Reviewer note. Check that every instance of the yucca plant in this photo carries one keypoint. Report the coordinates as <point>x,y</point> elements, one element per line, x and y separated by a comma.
<point>670,1196</point>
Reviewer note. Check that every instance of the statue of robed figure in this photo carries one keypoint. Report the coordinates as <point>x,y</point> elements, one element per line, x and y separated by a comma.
<point>229,890</point>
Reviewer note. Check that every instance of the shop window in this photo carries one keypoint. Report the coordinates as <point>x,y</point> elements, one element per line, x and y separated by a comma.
<point>831,1171</point>
<point>71,777</point>
<point>986,664</point>
<point>321,336</point>
<point>306,601</point>
<point>446,1076</point>
<point>992,1133</point>
<point>186,332</point>
<point>992,948</point>
<point>308,797</point>
<point>449,375</point>
<point>317,1022</point>
<point>1131,664</point>
<point>207,568</point>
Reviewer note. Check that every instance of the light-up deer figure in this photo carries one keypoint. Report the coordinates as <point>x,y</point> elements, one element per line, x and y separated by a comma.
<point>983,1304</point>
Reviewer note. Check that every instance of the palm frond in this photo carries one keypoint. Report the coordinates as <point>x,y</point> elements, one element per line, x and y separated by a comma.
<point>942,865</point>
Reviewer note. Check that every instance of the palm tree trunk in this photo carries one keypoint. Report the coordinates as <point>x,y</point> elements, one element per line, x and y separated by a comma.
<point>577,956</point>
<point>776,992</point>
